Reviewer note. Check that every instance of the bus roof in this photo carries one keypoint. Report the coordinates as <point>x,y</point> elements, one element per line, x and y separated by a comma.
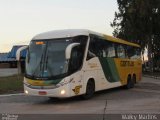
<point>61,34</point>
<point>75,32</point>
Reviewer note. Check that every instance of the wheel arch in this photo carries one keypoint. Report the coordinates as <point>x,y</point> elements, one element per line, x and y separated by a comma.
<point>89,79</point>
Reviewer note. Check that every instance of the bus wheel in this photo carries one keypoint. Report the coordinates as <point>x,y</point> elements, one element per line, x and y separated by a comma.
<point>130,82</point>
<point>90,89</point>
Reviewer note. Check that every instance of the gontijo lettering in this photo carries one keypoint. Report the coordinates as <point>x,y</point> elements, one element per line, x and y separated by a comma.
<point>126,63</point>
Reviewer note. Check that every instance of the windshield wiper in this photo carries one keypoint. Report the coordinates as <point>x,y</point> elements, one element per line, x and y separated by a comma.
<point>47,62</point>
<point>41,62</point>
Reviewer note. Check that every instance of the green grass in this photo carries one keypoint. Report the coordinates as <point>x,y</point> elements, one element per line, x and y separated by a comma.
<point>11,84</point>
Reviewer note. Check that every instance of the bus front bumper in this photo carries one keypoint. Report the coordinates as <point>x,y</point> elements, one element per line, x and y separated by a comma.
<point>60,92</point>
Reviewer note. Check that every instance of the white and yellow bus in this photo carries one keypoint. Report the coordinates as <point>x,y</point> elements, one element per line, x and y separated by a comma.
<point>68,63</point>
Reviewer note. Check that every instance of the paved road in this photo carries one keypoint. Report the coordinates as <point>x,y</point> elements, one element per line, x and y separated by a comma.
<point>8,71</point>
<point>143,99</point>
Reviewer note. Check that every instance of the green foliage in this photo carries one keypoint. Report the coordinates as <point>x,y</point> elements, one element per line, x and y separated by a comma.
<point>11,84</point>
<point>138,21</point>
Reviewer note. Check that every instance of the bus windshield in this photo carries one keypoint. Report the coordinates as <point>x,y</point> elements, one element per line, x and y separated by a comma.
<point>46,58</point>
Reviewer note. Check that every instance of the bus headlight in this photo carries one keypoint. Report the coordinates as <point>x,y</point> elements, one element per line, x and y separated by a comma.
<point>63,92</point>
<point>26,91</point>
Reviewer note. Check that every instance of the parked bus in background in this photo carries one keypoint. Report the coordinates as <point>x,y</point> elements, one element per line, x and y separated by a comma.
<point>67,63</point>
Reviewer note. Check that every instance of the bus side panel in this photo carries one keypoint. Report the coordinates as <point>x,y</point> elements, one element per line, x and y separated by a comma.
<point>138,69</point>
<point>103,71</point>
<point>108,74</point>
<point>76,84</point>
<point>90,71</point>
<point>127,67</point>
<point>110,69</point>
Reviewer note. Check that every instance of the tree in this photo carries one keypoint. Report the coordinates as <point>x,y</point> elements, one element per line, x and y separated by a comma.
<point>138,21</point>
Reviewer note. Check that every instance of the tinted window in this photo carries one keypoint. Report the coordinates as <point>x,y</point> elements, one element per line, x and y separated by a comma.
<point>110,50</point>
<point>133,52</point>
<point>120,51</point>
<point>100,47</point>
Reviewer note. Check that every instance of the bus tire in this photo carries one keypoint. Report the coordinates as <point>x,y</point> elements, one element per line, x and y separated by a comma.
<point>130,82</point>
<point>90,89</point>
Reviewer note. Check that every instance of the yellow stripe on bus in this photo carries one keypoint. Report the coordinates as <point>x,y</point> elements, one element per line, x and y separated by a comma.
<point>36,82</point>
<point>117,40</point>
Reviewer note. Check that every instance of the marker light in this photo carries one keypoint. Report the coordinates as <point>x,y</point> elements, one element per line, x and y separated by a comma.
<point>39,43</point>
<point>26,91</point>
<point>63,92</point>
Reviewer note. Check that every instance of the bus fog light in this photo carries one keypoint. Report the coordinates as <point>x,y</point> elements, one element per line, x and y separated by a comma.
<point>63,92</point>
<point>26,91</point>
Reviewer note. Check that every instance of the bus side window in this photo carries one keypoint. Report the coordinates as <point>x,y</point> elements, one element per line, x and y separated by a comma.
<point>133,52</point>
<point>90,55</point>
<point>100,47</point>
<point>106,48</point>
<point>138,53</point>
<point>92,50</point>
<point>110,50</point>
<point>121,51</point>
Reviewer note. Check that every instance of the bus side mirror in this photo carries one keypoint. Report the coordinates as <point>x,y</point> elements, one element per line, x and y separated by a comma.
<point>18,53</point>
<point>69,49</point>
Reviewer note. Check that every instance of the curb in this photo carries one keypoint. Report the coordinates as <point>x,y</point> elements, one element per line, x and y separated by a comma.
<point>7,95</point>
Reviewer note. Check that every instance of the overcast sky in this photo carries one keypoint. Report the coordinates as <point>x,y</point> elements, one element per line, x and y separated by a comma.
<point>20,20</point>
